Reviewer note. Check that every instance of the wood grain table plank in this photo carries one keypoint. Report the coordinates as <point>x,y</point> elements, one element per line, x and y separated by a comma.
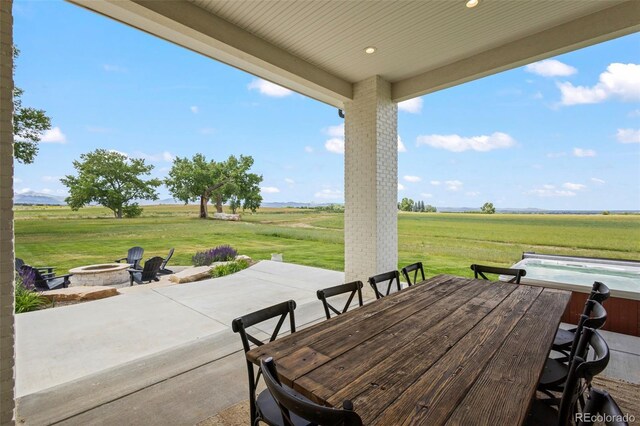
<point>432,398</point>
<point>440,285</point>
<point>399,365</point>
<point>503,392</point>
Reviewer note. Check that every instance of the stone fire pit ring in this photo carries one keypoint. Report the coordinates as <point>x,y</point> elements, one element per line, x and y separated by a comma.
<point>102,274</point>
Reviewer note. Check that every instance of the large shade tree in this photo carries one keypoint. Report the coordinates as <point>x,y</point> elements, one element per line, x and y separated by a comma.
<point>198,179</point>
<point>113,180</point>
<point>28,125</point>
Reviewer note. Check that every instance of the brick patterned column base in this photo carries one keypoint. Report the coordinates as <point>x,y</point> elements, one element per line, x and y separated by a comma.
<point>371,181</point>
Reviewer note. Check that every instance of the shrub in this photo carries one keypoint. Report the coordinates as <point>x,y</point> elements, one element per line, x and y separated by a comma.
<point>132,210</point>
<point>26,299</point>
<point>229,268</point>
<point>217,254</point>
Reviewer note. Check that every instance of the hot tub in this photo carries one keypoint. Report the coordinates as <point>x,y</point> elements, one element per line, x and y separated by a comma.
<point>577,274</point>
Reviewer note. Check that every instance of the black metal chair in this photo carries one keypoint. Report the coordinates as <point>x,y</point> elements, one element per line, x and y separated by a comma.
<point>385,278</point>
<point>163,267</point>
<point>295,410</point>
<point>481,270</point>
<point>564,338</point>
<point>148,273</point>
<point>263,407</point>
<point>46,281</point>
<point>556,370</point>
<point>415,268</point>
<point>599,402</point>
<point>352,287</point>
<point>581,373</point>
<point>134,256</point>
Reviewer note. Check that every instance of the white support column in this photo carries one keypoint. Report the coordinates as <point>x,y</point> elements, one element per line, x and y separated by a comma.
<point>7,331</point>
<point>371,181</point>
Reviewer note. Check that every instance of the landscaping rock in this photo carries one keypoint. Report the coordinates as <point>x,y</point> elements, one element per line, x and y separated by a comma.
<point>243,257</point>
<point>226,216</point>
<point>191,274</point>
<point>79,293</point>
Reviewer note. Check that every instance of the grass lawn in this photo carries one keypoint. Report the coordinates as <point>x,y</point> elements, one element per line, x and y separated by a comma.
<point>446,242</point>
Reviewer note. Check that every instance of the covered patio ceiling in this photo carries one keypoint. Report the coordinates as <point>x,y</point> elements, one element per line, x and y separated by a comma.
<point>317,48</point>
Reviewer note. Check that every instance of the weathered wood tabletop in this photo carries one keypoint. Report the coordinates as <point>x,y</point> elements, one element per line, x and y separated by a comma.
<point>449,350</point>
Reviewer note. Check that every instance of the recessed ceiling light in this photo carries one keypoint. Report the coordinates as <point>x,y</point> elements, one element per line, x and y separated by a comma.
<point>369,50</point>
<point>472,3</point>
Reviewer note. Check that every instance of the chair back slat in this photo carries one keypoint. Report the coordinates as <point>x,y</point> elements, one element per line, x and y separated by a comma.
<point>151,268</point>
<point>289,402</point>
<point>166,260</point>
<point>582,371</point>
<point>415,268</point>
<point>481,270</point>
<point>134,256</point>
<point>593,316</point>
<point>353,288</point>
<point>387,278</point>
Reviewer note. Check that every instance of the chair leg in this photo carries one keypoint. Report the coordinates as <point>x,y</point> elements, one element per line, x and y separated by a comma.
<point>131,281</point>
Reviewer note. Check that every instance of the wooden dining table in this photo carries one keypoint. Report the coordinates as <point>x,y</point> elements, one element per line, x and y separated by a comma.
<point>449,350</point>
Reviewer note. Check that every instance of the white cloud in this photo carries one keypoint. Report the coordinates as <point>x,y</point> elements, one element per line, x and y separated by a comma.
<point>435,182</point>
<point>426,195</point>
<point>401,147</point>
<point>328,194</point>
<point>620,81</point>
<point>628,135</point>
<point>458,143</point>
<point>472,193</point>
<point>194,109</point>
<point>400,187</point>
<point>573,186</point>
<point>53,135</point>
<point>113,68</point>
<point>551,68</point>
<point>335,145</point>
<point>336,131</point>
<point>17,180</point>
<point>551,191</point>
<point>537,95</point>
<point>413,106</point>
<point>596,180</point>
<point>46,191</point>
<point>119,152</point>
<point>412,178</point>
<point>164,156</point>
<point>635,113</point>
<point>269,89</point>
<point>289,181</point>
<point>23,190</point>
<point>207,131</point>
<point>269,189</point>
<point>453,185</point>
<point>50,178</point>
<point>579,152</point>
<point>308,149</point>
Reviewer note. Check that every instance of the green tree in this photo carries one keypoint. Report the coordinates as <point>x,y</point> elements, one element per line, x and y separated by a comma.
<point>110,179</point>
<point>430,209</point>
<point>406,205</point>
<point>488,208</point>
<point>230,180</point>
<point>28,124</point>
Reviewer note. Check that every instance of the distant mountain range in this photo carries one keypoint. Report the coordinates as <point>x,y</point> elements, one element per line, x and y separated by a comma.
<point>55,200</point>
<point>38,198</point>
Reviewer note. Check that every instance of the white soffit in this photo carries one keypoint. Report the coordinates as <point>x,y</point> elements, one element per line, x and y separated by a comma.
<point>317,47</point>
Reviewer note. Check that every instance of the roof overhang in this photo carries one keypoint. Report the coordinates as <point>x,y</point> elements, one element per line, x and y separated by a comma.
<point>301,58</point>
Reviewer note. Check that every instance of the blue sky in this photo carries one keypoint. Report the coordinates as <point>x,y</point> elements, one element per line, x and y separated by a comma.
<point>561,134</point>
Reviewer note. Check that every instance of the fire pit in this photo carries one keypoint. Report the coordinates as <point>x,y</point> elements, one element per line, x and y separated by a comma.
<point>103,274</point>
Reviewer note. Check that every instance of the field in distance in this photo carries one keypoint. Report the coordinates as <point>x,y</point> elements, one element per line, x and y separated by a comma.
<point>445,242</point>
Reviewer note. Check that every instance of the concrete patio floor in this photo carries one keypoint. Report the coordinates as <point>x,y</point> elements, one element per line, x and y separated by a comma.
<point>166,355</point>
